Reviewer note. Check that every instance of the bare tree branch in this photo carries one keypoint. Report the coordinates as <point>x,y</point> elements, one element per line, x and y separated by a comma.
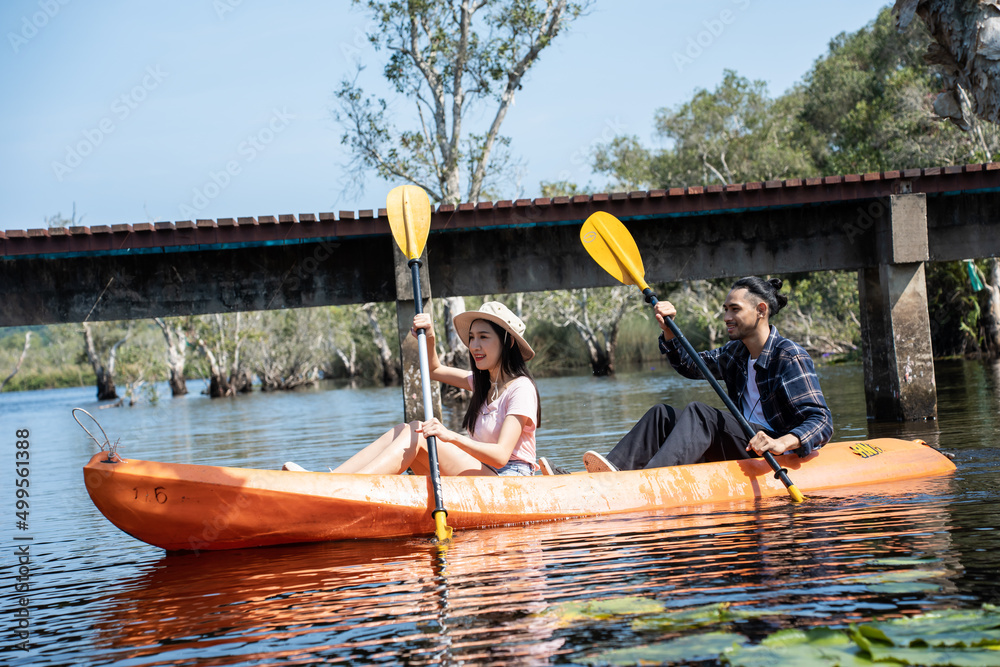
<point>20,360</point>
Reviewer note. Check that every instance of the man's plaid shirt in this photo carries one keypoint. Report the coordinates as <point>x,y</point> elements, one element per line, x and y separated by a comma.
<point>791,399</point>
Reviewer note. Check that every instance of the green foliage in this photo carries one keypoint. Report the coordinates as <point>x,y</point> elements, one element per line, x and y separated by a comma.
<point>54,359</point>
<point>559,189</point>
<point>952,637</point>
<point>865,106</point>
<point>954,311</point>
<point>459,63</point>
<point>140,364</point>
<point>961,637</point>
<point>869,102</point>
<point>733,134</point>
<point>822,311</point>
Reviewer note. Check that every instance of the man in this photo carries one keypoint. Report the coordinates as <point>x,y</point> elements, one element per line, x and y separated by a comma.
<point>770,378</point>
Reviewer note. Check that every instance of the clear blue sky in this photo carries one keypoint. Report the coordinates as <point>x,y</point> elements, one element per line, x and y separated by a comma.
<point>163,97</point>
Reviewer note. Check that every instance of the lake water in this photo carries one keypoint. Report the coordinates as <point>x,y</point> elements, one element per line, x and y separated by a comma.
<point>98,597</point>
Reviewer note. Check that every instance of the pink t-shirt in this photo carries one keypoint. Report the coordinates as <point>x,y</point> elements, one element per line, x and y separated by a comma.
<point>518,398</point>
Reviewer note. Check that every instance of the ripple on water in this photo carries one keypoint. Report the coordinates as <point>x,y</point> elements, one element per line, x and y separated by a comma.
<point>100,597</point>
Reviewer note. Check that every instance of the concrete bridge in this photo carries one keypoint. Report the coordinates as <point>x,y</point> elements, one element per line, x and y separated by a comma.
<point>882,225</point>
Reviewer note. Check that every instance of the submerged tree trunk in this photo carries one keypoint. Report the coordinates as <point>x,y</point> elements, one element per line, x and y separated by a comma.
<point>176,339</point>
<point>218,381</point>
<point>600,332</point>
<point>350,361</point>
<point>226,377</point>
<point>105,372</point>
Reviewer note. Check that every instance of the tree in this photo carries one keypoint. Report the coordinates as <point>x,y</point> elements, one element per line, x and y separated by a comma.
<point>288,353</point>
<point>596,314</point>
<point>991,309</point>
<point>139,366</point>
<point>175,335</point>
<point>20,360</point>
<point>390,374</point>
<point>869,104</point>
<point>221,339</point>
<point>57,220</point>
<point>967,51</point>
<point>865,106</point>
<point>454,59</point>
<point>701,301</point>
<point>733,134</point>
<point>102,354</point>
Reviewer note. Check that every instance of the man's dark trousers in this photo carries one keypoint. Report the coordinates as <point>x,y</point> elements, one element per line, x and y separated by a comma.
<point>664,437</point>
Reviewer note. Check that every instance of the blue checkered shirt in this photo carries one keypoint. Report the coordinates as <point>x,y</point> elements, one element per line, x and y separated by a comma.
<point>791,399</point>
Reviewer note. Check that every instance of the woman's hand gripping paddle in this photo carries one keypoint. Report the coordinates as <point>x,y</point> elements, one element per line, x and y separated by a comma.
<point>410,220</point>
<point>611,246</point>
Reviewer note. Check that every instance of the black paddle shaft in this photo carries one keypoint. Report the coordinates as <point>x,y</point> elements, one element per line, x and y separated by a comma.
<point>779,472</point>
<point>432,454</point>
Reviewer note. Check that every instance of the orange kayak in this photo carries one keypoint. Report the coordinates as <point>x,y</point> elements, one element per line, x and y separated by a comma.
<point>192,507</point>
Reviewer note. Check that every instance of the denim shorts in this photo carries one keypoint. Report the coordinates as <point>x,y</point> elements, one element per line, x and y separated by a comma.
<point>514,468</point>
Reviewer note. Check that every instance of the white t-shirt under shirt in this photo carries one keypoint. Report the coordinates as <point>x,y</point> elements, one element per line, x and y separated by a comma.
<point>751,399</point>
<point>518,398</point>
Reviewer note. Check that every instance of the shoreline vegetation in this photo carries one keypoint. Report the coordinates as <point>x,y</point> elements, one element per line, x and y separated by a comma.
<point>570,330</point>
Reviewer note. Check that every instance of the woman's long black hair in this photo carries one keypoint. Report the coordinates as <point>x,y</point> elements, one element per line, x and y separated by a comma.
<point>511,365</point>
<point>766,291</point>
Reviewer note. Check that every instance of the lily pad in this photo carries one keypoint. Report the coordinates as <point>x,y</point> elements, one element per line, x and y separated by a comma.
<point>952,627</point>
<point>963,638</point>
<point>936,657</point>
<point>599,610</point>
<point>898,581</point>
<point>903,560</point>
<point>819,647</point>
<point>711,614</point>
<point>682,649</point>
<point>896,576</point>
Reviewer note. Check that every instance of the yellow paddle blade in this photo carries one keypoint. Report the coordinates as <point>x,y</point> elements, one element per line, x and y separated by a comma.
<point>441,529</point>
<point>409,218</point>
<point>610,244</point>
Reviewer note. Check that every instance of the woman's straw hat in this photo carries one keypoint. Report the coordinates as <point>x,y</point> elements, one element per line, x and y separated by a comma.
<point>496,312</point>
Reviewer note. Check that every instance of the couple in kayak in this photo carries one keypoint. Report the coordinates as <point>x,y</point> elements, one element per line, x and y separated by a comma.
<point>769,377</point>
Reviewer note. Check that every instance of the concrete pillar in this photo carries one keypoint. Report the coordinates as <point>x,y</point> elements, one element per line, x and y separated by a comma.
<point>413,405</point>
<point>895,325</point>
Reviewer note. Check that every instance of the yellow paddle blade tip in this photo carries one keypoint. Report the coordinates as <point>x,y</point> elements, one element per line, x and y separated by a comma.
<point>442,531</point>
<point>796,495</point>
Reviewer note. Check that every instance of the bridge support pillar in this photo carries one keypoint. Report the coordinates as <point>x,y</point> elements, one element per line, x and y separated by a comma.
<point>895,325</point>
<point>413,397</point>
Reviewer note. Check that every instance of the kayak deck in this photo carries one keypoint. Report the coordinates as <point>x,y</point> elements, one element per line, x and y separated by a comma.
<point>194,507</point>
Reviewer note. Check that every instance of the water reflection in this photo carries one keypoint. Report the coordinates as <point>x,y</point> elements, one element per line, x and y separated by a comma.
<point>486,598</point>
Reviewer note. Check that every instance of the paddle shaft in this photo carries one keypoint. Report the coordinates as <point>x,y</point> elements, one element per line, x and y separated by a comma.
<point>425,384</point>
<point>779,472</point>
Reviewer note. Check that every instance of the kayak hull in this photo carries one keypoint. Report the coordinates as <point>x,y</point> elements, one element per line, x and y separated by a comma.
<point>193,507</point>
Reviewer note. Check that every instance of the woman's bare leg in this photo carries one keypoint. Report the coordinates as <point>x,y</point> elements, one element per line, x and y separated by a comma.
<point>452,460</point>
<point>387,441</point>
<point>402,447</point>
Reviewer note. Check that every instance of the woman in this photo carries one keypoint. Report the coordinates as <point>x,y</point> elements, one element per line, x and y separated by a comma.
<point>503,413</point>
